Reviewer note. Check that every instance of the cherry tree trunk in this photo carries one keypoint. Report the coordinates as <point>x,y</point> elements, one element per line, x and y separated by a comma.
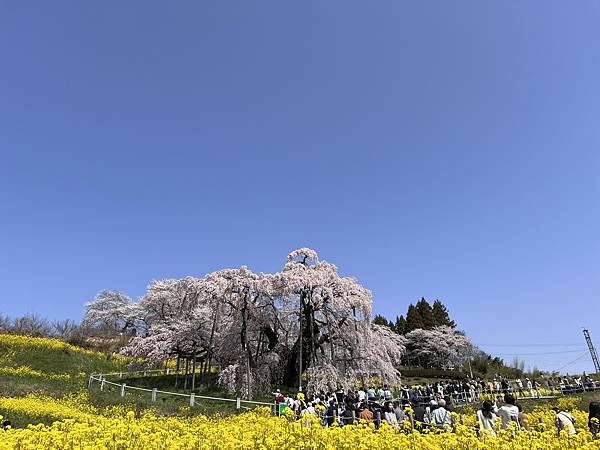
<point>310,333</point>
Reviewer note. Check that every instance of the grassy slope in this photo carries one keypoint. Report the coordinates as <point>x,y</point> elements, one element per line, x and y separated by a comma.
<point>54,368</point>
<point>47,366</point>
<point>169,404</point>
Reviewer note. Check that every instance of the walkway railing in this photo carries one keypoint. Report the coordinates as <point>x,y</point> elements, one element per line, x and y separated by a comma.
<point>192,397</point>
<point>466,397</point>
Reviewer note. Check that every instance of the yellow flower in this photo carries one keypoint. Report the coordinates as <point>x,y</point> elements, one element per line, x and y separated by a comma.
<point>78,426</point>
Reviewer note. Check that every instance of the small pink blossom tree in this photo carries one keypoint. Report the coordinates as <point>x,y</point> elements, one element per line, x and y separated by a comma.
<point>441,347</point>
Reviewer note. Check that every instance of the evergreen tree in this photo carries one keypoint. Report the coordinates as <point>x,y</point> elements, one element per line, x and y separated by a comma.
<point>380,320</point>
<point>441,316</point>
<point>413,319</point>
<point>426,313</point>
<point>400,325</point>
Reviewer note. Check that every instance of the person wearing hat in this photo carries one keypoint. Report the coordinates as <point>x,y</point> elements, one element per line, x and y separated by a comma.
<point>279,397</point>
<point>529,387</point>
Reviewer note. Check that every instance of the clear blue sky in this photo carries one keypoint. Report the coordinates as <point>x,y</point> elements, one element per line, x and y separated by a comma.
<point>441,149</point>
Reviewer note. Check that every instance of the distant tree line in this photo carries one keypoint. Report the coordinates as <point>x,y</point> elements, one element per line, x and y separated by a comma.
<point>421,315</point>
<point>101,337</point>
<point>32,324</point>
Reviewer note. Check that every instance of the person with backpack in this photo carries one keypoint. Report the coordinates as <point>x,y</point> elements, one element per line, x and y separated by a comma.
<point>564,421</point>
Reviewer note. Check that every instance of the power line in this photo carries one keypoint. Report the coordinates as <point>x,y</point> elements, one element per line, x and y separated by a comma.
<point>577,344</point>
<point>542,353</point>
<point>571,362</point>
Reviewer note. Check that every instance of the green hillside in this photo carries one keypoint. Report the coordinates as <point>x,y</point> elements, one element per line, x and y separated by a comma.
<point>48,366</point>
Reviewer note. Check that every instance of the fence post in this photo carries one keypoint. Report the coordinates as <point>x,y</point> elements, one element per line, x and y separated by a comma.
<point>238,403</point>
<point>123,390</point>
<point>90,382</point>
<point>145,373</point>
<point>101,383</point>
<point>120,374</point>
<point>168,370</point>
<point>192,399</point>
<point>153,394</point>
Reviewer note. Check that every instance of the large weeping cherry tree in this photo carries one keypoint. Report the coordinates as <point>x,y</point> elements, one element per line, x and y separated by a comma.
<point>305,324</point>
<point>332,313</point>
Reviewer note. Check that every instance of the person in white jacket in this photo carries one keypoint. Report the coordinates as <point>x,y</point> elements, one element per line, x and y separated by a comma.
<point>530,387</point>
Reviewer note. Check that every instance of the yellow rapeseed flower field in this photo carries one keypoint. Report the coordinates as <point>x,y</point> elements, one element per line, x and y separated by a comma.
<point>46,344</point>
<point>25,371</point>
<point>81,427</point>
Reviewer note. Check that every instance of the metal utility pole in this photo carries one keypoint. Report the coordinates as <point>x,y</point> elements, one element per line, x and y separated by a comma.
<point>593,353</point>
<point>301,339</point>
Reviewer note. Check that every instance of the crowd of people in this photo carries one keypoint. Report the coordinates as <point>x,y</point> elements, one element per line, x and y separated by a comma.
<point>428,406</point>
<point>471,390</point>
<point>532,386</point>
<point>511,412</point>
<point>578,383</point>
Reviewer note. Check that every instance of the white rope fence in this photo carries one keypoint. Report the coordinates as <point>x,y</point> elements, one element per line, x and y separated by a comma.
<point>192,397</point>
